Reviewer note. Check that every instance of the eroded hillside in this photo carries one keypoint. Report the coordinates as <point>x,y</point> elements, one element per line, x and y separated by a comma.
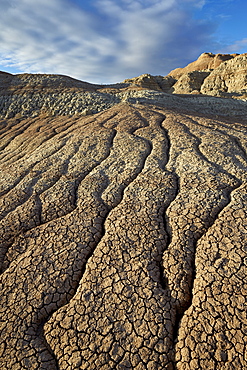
<point>223,75</point>
<point>123,229</point>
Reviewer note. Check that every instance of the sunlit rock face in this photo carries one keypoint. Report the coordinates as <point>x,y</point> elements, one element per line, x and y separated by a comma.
<point>206,61</point>
<point>229,79</point>
<point>223,75</point>
<point>123,227</point>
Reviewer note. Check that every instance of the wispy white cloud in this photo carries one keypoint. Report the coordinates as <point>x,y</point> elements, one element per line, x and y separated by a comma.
<point>238,46</point>
<point>119,39</point>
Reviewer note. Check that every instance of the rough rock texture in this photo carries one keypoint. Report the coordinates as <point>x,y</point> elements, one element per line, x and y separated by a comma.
<point>221,75</point>
<point>25,96</point>
<point>150,82</point>
<point>189,83</point>
<point>205,61</point>
<point>123,233</point>
<point>28,95</point>
<point>218,75</point>
<point>229,78</point>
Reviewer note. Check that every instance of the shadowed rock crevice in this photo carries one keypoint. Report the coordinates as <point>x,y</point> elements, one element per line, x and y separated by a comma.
<point>230,156</point>
<point>214,196</point>
<point>99,171</point>
<point>237,141</point>
<point>119,260</point>
<point>152,267</point>
<point>104,220</point>
<point>22,172</point>
<point>223,283</point>
<point>186,305</point>
<point>77,178</point>
<point>49,209</point>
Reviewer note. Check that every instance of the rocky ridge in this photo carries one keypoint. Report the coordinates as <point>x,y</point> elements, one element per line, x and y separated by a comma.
<point>222,75</point>
<point>123,226</point>
<point>206,61</point>
<point>25,95</point>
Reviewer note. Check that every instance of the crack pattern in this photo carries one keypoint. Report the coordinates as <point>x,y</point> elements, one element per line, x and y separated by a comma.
<point>127,275</point>
<point>76,239</point>
<point>123,239</point>
<point>203,193</point>
<point>216,317</point>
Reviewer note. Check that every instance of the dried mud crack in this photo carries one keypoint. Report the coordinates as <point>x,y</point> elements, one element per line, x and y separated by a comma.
<point>123,235</point>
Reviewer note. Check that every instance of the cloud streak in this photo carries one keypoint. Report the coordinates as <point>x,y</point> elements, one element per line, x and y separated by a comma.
<point>239,46</point>
<point>106,41</point>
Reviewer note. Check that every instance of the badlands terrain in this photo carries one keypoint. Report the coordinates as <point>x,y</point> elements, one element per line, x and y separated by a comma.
<point>124,220</point>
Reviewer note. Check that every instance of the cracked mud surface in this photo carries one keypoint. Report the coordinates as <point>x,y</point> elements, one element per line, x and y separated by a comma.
<point>123,241</point>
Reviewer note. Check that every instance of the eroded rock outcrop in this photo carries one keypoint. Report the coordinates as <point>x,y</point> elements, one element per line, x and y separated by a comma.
<point>123,233</point>
<point>189,83</point>
<point>206,61</point>
<point>221,75</point>
<point>229,79</point>
<point>150,82</point>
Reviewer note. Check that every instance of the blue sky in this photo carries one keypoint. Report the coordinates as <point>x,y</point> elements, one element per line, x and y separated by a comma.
<point>106,41</point>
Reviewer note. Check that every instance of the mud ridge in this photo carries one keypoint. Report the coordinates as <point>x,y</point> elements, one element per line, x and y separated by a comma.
<point>180,314</point>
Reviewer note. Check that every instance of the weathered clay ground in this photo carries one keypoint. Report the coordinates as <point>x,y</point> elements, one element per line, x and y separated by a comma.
<point>123,240</point>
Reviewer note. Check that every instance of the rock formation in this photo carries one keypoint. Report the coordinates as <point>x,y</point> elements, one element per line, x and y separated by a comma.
<point>123,227</point>
<point>206,61</point>
<point>229,79</point>
<point>189,83</point>
<point>222,75</point>
<point>150,82</point>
